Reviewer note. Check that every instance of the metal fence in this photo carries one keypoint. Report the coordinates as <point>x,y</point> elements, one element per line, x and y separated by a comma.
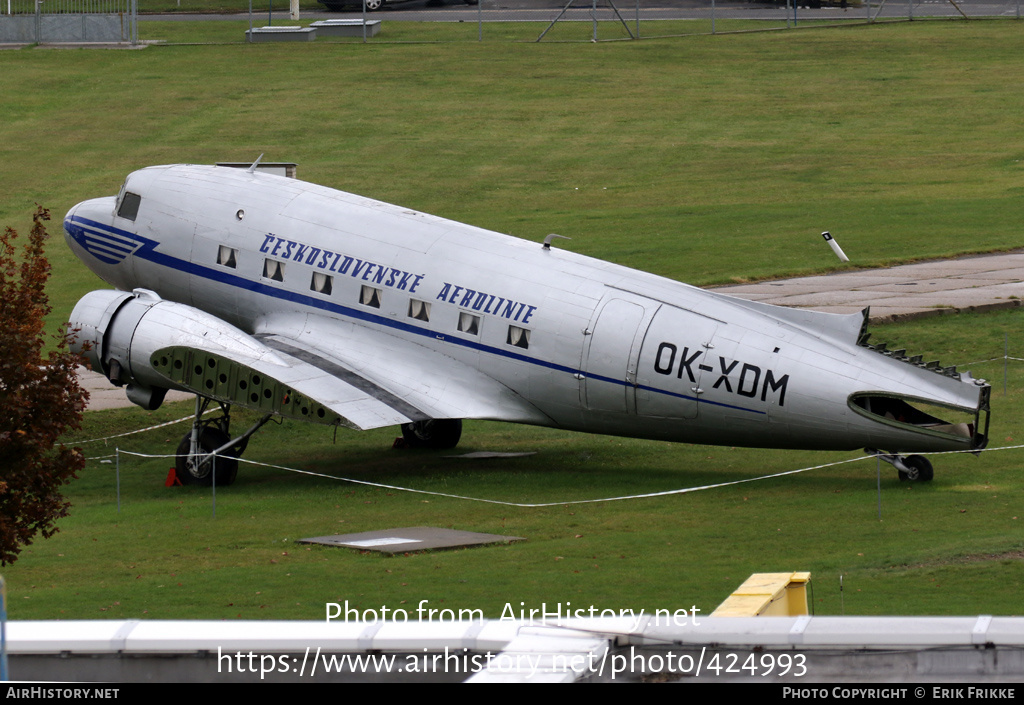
<point>68,21</point>
<point>116,21</point>
<point>607,20</point>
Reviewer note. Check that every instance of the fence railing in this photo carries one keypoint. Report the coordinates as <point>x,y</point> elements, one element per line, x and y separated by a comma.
<point>613,20</point>
<point>68,21</point>
<point>521,20</point>
<point>65,7</point>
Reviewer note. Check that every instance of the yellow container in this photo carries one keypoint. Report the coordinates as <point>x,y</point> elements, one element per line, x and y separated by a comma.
<point>767,595</point>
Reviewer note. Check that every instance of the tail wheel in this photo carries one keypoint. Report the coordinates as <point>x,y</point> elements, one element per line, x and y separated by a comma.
<point>191,472</point>
<point>433,433</point>
<point>919,469</point>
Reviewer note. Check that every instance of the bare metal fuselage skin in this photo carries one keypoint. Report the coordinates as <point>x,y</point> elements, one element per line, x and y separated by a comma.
<point>430,318</point>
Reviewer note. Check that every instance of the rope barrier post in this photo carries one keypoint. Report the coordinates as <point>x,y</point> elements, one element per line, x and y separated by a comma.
<point>878,472</point>
<point>213,484</point>
<point>117,473</point>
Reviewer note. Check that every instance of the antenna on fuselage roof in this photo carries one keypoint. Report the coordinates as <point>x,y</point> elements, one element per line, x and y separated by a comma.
<point>252,169</point>
<point>552,236</point>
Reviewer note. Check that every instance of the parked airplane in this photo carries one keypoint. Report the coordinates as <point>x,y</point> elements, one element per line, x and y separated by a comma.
<point>304,302</point>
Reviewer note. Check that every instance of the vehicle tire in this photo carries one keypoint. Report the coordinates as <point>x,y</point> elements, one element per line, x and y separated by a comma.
<point>920,469</point>
<point>374,5</point>
<point>210,440</point>
<point>433,433</point>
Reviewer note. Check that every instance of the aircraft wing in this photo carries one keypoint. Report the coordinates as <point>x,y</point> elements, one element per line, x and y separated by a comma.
<point>413,380</point>
<point>296,365</point>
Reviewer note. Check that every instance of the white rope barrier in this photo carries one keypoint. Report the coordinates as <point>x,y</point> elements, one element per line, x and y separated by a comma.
<point>663,493</point>
<point>140,430</point>
<point>525,504</point>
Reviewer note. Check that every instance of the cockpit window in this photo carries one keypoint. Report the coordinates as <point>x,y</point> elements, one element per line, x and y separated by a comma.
<point>129,208</point>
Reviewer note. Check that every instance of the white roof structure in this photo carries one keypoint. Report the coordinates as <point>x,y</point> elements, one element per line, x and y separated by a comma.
<point>764,649</point>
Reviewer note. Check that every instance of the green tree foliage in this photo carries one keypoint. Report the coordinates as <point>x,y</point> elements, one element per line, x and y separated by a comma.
<point>40,399</point>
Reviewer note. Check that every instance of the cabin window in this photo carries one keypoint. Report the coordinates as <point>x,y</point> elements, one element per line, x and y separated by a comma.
<point>322,283</point>
<point>272,269</point>
<point>129,208</point>
<point>369,296</point>
<point>519,337</point>
<point>420,310</point>
<point>468,323</point>
<point>227,256</point>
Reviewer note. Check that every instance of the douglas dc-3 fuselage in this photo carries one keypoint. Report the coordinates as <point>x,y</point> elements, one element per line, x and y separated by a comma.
<point>304,302</point>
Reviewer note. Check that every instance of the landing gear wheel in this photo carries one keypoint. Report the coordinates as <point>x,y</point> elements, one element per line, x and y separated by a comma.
<point>919,469</point>
<point>373,5</point>
<point>192,473</point>
<point>433,433</point>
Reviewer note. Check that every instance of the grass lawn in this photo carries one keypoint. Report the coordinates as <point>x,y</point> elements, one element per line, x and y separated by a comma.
<point>953,546</point>
<point>707,159</point>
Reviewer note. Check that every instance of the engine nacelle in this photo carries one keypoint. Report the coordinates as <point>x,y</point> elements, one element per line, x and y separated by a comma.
<point>118,333</point>
<point>104,323</point>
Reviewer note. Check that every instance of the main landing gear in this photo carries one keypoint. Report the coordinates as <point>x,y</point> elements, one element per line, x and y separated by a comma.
<point>432,433</point>
<point>207,454</point>
<point>911,468</point>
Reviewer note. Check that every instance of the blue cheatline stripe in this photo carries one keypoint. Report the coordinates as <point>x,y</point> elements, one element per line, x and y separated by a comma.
<point>106,244</point>
<point>147,251</point>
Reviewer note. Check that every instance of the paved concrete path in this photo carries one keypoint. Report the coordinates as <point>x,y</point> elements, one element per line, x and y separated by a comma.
<point>979,283</point>
<point>927,288</point>
<point>104,395</point>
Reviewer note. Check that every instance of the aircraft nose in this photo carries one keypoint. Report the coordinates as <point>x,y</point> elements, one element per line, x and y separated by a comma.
<point>96,209</point>
<point>71,230</point>
<point>86,227</point>
<point>68,220</point>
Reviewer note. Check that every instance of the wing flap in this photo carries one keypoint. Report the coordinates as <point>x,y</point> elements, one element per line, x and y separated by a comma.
<point>415,380</point>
